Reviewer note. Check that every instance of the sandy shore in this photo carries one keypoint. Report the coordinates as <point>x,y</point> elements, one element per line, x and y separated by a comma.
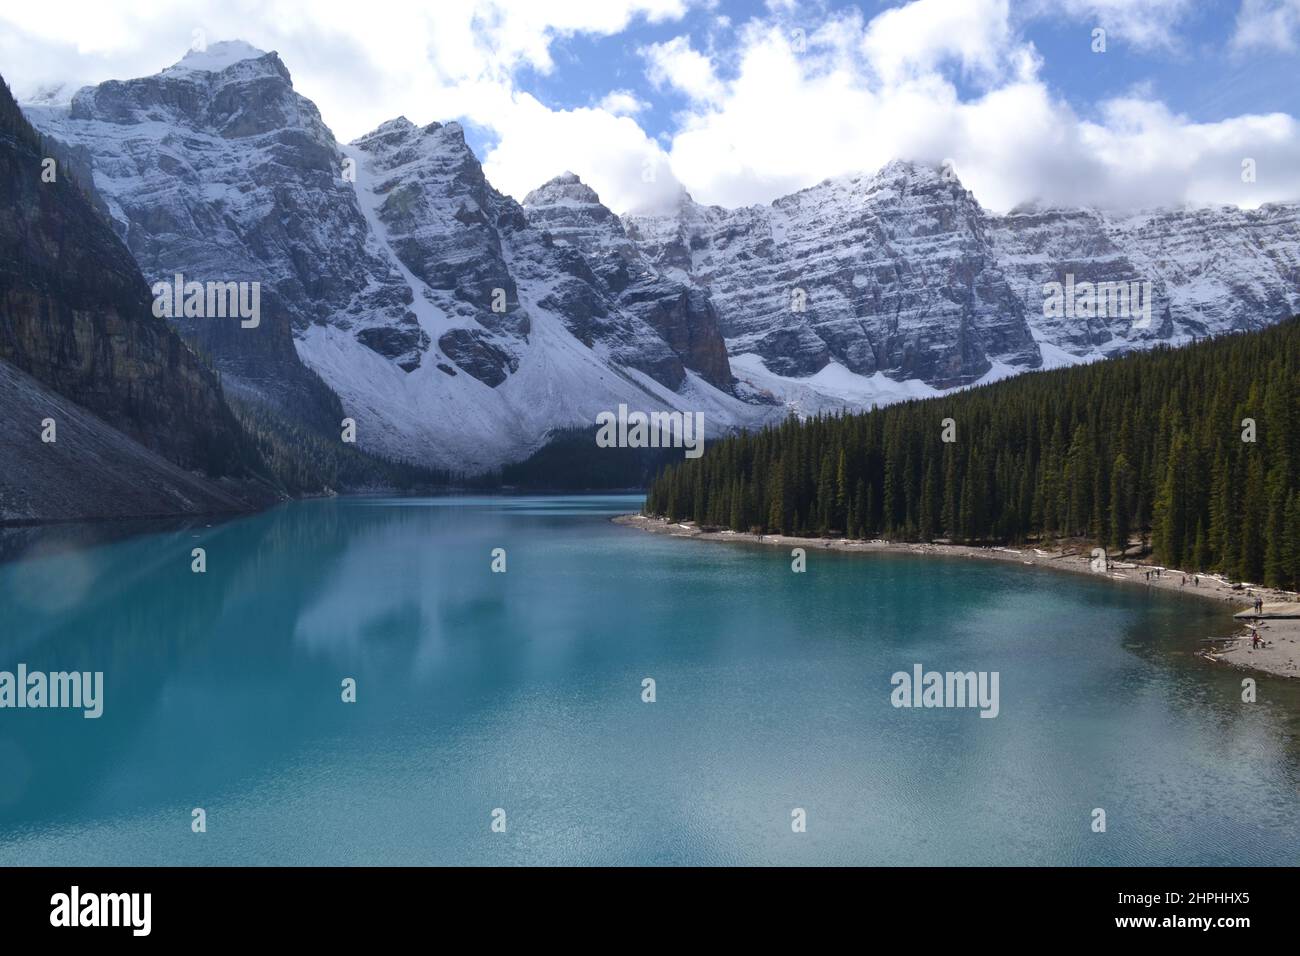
<point>1279,623</point>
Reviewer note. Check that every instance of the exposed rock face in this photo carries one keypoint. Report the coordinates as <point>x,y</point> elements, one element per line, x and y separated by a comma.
<point>891,273</point>
<point>390,266</point>
<point>218,170</point>
<point>460,327</point>
<point>547,324</point>
<point>450,230</point>
<point>571,214</point>
<point>905,274</point>
<point>1211,270</point>
<point>75,316</point>
<point>92,470</point>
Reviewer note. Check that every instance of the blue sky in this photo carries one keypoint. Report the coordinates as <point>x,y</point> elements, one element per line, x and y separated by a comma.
<point>644,98</point>
<point>1196,73</point>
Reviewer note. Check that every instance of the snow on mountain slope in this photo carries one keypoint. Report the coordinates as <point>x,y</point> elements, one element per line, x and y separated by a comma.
<point>456,334</point>
<point>1211,270</point>
<point>228,175</point>
<point>440,413</point>
<point>891,273</point>
<point>215,58</point>
<point>459,327</point>
<point>906,275</point>
<point>572,215</point>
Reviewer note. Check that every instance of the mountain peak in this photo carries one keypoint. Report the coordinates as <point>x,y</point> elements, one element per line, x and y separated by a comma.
<point>398,124</point>
<point>564,189</point>
<point>215,57</point>
<point>917,170</point>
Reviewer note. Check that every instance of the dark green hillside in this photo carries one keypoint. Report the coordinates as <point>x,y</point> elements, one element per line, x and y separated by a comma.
<point>1145,448</point>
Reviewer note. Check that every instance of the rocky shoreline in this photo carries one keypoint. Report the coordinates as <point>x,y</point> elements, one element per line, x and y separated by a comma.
<point>1280,655</point>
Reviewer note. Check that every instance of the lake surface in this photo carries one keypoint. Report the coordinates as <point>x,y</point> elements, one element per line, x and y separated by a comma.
<point>523,691</point>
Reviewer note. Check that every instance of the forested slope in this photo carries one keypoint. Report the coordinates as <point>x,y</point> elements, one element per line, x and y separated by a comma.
<point>1193,452</point>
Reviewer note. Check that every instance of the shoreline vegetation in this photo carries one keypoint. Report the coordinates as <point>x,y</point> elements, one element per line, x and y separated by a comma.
<point>1184,458</point>
<point>1278,623</point>
<point>1191,454</point>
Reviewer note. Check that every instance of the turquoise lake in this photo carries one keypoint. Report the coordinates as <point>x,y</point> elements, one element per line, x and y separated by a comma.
<point>523,691</point>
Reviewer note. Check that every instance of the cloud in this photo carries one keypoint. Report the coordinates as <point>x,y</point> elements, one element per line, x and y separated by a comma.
<point>675,64</point>
<point>410,55</point>
<point>453,59</point>
<point>1145,24</point>
<point>792,95</point>
<point>1267,24</point>
<point>916,38</point>
<point>612,154</point>
<point>859,94</point>
<point>622,103</point>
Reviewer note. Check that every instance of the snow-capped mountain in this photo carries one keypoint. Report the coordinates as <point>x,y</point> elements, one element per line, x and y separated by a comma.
<point>454,332</point>
<point>522,337</point>
<point>106,412</point>
<point>902,273</point>
<point>1211,270</point>
<point>217,170</point>
<point>891,273</point>
<point>575,219</point>
<point>459,327</point>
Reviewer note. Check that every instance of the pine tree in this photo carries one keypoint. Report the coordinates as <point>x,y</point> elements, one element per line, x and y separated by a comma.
<point>1121,492</point>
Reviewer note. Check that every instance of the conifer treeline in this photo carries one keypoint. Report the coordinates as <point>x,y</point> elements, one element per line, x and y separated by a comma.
<point>1147,449</point>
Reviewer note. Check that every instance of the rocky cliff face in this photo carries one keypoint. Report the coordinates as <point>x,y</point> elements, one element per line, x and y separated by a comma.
<point>889,274</point>
<point>216,169</point>
<point>75,315</point>
<point>905,274</point>
<point>460,327</point>
<point>572,216</point>
<point>450,230</point>
<point>93,470</point>
<point>455,331</point>
<point>1211,270</point>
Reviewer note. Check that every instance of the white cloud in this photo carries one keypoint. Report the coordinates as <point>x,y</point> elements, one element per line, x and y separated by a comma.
<point>395,56</point>
<point>612,154</point>
<point>675,64</point>
<point>763,116</point>
<point>1146,24</point>
<point>622,103</point>
<point>362,65</point>
<point>916,38</point>
<point>1267,24</point>
<point>863,94</point>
